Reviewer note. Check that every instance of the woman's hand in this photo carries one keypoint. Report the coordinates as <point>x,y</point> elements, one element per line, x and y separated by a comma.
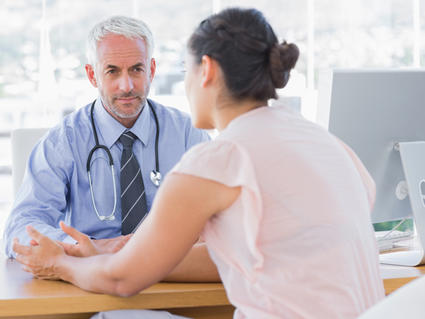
<point>86,247</point>
<point>111,245</point>
<point>42,258</point>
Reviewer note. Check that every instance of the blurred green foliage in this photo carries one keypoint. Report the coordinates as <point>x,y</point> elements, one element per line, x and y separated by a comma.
<point>406,225</point>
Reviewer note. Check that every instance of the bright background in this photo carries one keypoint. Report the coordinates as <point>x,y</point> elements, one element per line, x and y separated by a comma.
<point>42,51</point>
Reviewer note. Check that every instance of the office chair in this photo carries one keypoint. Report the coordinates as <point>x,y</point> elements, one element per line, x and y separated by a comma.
<point>23,141</point>
<point>406,302</point>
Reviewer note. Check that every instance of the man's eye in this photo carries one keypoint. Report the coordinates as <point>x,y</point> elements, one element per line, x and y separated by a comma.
<point>110,71</point>
<point>138,69</point>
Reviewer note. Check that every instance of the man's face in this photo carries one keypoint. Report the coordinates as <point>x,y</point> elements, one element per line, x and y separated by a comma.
<point>123,75</point>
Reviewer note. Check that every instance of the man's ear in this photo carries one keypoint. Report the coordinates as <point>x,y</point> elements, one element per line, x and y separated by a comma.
<point>209,70</point>
<point>152,69</point>
<point>91,74</point>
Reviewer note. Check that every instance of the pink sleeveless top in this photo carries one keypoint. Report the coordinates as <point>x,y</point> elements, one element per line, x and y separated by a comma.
<point>298,242</point>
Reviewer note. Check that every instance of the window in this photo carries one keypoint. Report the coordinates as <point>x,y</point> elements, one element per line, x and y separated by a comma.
<point>42,52</point>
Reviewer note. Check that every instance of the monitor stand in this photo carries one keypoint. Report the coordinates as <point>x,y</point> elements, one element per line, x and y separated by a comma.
<point>403,258</point>
<point>413,161</point>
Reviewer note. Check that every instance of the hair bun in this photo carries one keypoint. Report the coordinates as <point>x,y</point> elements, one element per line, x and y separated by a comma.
<point>283,58</point>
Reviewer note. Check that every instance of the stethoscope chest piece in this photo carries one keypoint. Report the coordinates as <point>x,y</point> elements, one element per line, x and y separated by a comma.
<point>156,178</point>
<point>103,218</point>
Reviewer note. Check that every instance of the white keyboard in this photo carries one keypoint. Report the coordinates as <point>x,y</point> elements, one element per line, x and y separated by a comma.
<point>386,240</point>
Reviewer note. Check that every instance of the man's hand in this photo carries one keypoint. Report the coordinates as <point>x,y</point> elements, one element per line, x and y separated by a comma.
<point>86,247</point>
<point>39,258</point>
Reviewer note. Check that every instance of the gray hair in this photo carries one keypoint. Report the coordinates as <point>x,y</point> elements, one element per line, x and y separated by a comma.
<point>121,25</point>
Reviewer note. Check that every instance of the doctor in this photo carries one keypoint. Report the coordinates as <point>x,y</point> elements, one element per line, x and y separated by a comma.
<point>100,168</point>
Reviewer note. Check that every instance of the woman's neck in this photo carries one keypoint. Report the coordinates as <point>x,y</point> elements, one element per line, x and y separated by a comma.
<point>226,112</point>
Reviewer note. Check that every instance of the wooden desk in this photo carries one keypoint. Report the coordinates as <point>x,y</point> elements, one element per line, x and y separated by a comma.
<point>21,296</point>
<point>396,276</point>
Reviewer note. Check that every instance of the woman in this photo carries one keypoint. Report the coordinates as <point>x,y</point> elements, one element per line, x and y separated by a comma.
<point>281,204</point>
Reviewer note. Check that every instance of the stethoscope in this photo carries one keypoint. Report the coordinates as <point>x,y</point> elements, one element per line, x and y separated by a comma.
<point>155,175</point>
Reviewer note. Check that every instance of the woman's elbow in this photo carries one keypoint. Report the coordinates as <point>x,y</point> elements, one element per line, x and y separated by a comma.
<point>125,289</point>
<point>121,282</point>
<point>124,285</point>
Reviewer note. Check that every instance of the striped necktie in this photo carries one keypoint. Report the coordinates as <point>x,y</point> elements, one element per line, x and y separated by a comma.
<point>133,198</point>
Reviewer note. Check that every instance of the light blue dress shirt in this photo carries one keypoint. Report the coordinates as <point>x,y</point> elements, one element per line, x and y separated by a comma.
<point>56,186</point>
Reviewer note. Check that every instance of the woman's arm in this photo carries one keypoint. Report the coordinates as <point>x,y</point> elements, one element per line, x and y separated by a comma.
<point>182,206</point>
<point>196,266</point>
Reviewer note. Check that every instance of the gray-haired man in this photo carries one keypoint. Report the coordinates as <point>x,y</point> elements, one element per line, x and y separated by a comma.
<point>144,139</point>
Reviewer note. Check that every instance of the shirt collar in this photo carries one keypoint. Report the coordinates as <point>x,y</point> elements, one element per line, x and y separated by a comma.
<point>109,129</point>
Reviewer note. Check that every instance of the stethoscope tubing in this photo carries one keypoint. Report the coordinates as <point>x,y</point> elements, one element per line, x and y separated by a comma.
<point>155,174</point>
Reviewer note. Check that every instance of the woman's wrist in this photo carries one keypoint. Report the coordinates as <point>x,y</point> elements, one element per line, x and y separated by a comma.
<point>62,269</point>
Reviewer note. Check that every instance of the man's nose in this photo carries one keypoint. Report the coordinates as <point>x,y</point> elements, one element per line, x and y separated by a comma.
<point>126,83</point>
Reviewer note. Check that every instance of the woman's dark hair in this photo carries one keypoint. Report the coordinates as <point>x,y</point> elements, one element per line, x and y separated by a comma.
<point>245,46</point>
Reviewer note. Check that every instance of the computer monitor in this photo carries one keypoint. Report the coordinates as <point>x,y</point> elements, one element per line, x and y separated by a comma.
<point>371,111</point>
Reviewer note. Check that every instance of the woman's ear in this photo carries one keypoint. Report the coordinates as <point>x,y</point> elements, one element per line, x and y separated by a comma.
<point>209,70</point>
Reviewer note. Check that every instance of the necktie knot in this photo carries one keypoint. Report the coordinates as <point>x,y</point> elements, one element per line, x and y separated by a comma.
<point>127,139</point>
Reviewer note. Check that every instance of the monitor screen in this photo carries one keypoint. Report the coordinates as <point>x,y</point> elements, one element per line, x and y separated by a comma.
<point>372,110</point>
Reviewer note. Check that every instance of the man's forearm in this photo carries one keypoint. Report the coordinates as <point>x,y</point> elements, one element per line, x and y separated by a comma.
<point>197,266</point>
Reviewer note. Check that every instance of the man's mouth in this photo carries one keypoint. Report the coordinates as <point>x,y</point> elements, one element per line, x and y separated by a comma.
<point>127,99</point>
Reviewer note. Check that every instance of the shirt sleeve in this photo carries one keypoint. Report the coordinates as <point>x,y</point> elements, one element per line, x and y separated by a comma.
<point>227,163</point>
<point>195,136</point>
<point>42,198</point>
